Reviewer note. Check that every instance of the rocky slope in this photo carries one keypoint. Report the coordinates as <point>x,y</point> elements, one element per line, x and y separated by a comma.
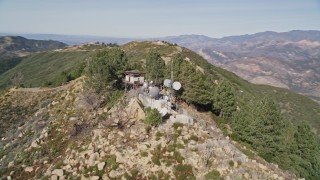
<point>287,60</point>
<point>62,134</point>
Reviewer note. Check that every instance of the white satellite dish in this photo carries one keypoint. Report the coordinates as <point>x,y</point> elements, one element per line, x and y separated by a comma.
<point>154,92</point>
<point>176,85</point>
<point>167,83</point>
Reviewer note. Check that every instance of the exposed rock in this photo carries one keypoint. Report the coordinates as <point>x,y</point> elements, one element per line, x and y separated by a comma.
<point>101,166</point>
<point>121,133</point>
<point>58,172</point>
<point>54,177</point>
<point>113,174</point>
<point>11,164</point>
<point>28,169</point>
<point>94,178</point>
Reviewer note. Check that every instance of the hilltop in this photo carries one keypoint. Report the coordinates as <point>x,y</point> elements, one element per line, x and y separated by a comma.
<point>72,132</point>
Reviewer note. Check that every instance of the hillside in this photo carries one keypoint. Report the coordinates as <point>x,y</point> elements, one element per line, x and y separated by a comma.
<point>61,136</point>
<point>13,48</point>
<point>47,68</point>
<point>288,60</point>
<point>20,46</point>
<point>295,107</point>
<point>73,132</point>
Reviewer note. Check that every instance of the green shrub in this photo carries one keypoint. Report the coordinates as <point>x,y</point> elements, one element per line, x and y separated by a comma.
<point>153,117</point>
<point>177,125</point>
<point>159,135</point>
<point>178,157</point>
<point>156,160</point>
<point>148,129</point>
<point>144,154</point>
<point>134,173</point>
<point>212,175</point>
<point>183,172</point>
<point>111,162</point>
<point>231,163</point>
<point>194,137</point>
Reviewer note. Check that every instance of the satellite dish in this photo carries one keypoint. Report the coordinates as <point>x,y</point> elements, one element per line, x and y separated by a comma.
<point>145,85</point>
<point>167,83</point>
<point>176,85</point>
<point>154,92</point>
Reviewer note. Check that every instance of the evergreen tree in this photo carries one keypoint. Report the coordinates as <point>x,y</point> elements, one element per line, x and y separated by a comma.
<point>224,100</point>
<point>155,67</point>
<point>196,89</point>
<point>308,151</point>
<point>106,70</point>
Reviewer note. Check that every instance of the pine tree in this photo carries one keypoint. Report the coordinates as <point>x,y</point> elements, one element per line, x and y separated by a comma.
<point>155,67</point>
<point>106,69</point>
<point>224,100</point>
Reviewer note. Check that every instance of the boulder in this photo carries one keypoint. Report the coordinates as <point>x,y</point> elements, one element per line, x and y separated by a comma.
<point>101,166</point>
<point>28,169</point>
<point>120,133</point>
<point>113,174</point>
<point>94,178</point>
<point>54,177</point>
<point>10,164</point>
<point>58,172</point>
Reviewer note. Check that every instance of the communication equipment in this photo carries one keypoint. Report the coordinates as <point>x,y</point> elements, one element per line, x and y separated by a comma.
<point>154,92</point>
<point>167,83</point>
<point>176,85</point>
<point>145,85</point>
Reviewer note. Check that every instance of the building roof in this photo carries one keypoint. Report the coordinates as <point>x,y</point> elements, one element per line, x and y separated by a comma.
<point>134,72</point>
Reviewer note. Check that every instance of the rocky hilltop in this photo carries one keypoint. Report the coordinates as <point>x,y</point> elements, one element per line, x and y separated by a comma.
<point>83,125</point>
<point>56,133</point>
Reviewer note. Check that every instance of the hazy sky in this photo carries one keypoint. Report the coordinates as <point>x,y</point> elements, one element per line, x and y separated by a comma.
<point>155,18</point>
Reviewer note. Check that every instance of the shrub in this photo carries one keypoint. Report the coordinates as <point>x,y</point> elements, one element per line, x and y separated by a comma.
<point>212,175</point>
<point>194,137</point>
<point>112,163</point>
<point>156,160</point>
<point>231,163</point>
<point>153,117</point>
<point>144,154</point>
<point>183,172</point>
<point>148,129</point>
<point>176,125</point>
<point>178,157</point>
<point>158,135</point>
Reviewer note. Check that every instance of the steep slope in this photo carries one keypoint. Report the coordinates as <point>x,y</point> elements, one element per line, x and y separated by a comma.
<point>59,136</point>
<point>12,48</point>
<point>295,107</point>
<point>288,60</point>
<point>47,68</point>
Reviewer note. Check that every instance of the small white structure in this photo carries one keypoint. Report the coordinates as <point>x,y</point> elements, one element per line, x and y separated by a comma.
<point>181,118</point>
<point>134,77</point>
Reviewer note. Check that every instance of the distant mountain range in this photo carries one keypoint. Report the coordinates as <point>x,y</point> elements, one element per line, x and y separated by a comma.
<point>20,46</point>
<point>289,59</point>
<point>72,39</point>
